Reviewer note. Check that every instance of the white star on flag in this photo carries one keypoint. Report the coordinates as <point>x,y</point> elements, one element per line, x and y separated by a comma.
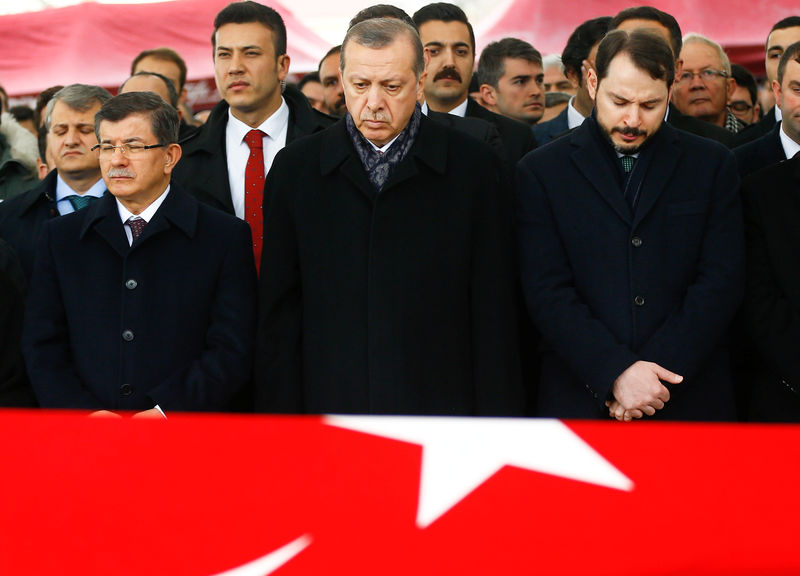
<point>272,561</point>
<point>460,454</point>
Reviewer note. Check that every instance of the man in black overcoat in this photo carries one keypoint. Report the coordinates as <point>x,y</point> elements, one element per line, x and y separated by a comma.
<point>388,279</point>
<point>631,249</point>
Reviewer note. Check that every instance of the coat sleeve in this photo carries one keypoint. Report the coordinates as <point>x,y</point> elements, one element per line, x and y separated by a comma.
<point>278,363</point>
<point>772,320</point>
<point>698,325</point>
<point>564,320</point>
<point>46,339</point>
<point>223,368</point>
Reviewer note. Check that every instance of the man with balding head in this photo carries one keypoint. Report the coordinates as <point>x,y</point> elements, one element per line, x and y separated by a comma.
<point>387,237</point>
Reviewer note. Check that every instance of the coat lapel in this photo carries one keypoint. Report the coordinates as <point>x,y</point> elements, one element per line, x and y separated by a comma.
<point>591,160</point>
<point>660,160</point>
<point>337,153</point>
<point>103,218</point>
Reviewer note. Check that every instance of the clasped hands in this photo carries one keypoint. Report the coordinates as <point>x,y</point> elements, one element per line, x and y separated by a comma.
<point>639,391</point>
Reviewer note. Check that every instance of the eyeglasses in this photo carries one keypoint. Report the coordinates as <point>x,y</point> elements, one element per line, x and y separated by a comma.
<point>127,150</point>
<point>740,106</point>
<point>707,75</point>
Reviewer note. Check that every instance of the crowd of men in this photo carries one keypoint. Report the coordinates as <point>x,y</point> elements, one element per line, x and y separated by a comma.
<point>608,233</point>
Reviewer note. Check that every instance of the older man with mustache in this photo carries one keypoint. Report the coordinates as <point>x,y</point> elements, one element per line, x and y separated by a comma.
<point>390,250</point>
<point>145,301</point>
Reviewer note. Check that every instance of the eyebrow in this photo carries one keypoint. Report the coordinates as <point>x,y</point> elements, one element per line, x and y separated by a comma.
<point>439,44</point>
<point>522,77</point>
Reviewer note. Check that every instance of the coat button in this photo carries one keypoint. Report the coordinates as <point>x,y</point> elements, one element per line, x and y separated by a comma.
<point>131,284</point>
<point>126,390</point>
<point>127,335</point>
<point>639,300</point>
<point>636,241</point>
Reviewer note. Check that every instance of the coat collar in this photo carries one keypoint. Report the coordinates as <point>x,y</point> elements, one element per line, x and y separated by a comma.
<point>45,191</point>
<point>429,148</point>
<point>178,211</point>
<point>594,158</point>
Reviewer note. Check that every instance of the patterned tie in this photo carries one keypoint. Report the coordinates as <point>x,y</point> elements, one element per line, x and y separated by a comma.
<point>627,163</point>
<point>80,202</point>
<point>254,190</point>
<point>137,224</point>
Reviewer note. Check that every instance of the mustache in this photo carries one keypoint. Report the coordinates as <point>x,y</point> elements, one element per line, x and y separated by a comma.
<point>374,116</point>
<point>447,72</point>
<point>120,173</point>
<point>630,131</point>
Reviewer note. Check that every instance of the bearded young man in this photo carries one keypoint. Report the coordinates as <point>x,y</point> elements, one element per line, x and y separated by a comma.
<point>631,251</point>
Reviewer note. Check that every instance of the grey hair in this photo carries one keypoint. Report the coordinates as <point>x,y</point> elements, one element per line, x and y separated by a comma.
<point>378,33</point>
<point>163,117</point>
<point>80,97</point>
<point>700,39</point>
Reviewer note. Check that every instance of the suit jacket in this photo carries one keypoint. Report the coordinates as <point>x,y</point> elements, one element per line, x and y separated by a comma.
<point>394,303</point>
<point>700,127</point>
<point>14,387</point>
<point>23,217</point>
<point>203,168</point>
<point>757,130</point>
<point>168,321</point>
<point>552,129</point>
<point>607,286</point>
<point>772,298</point>
<point>481,130</point>
<point>760,153</point>
<point>517,137</point>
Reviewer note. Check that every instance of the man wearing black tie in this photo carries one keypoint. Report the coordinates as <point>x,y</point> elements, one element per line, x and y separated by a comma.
<point>631,251</point>
<point>145,301</point>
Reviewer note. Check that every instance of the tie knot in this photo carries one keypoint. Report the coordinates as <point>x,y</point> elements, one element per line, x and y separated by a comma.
<point>254,139</point>
<point>79,202</point>
<point>136,224</point>
<point>627,163</point>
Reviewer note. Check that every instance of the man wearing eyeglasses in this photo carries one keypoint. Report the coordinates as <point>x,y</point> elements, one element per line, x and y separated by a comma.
<point>145,301</point>
<point>704,85</point>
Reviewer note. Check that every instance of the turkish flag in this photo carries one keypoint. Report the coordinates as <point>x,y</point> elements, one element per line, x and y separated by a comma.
<point>250,496</point>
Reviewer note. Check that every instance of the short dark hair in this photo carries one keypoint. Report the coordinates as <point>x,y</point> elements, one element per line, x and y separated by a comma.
<point>21,113</point>
<point>331,52</point>
<point>381,11</point>
<point>41,141</point>
<point>788,22</point>
<point>163,117</point>
<point>745,79</point>
<point>654,15</point>
<point>41,102</point>
<point>580,43</point>
<point>791,53</point>
<point>648,51</point>
<point>446,13</point>
<point>310,77</point>
<point>173,94</point>
<point>248,11</point>
<point>380,32</point>
<point>491,66</point>
<point>164,53</point>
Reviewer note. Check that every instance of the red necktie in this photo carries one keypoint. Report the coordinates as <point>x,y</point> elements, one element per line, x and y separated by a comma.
<point>254,190</point>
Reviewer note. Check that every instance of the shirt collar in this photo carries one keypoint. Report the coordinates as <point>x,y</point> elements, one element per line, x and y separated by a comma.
<point>63,190</point>
<point>460,110</point>
<point>790,147</point>
<point>778,114</point>
<point>272,126</point>
<point>574,118</point>
<point>147,214</point>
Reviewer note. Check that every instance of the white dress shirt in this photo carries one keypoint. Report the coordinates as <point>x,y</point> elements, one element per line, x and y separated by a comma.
<point>460,110</point>
<point>574,118</point>
<point>275,127</point>
<point>147,213</point>
<point>790,147</point>
<point>63,190</point>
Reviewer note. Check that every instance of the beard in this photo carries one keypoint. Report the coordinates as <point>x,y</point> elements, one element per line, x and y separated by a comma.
<point>624,148</point>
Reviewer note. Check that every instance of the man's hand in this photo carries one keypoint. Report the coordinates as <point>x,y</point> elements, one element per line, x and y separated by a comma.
<point>152,413</point>
<point>638,391</point>
<point>104,414</point>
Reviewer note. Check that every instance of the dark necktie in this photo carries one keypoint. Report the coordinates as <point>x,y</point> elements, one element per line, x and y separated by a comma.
<point>137,224</point>
<point>254,190</point>
<point>627,167</point>
<point>80,202</point>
